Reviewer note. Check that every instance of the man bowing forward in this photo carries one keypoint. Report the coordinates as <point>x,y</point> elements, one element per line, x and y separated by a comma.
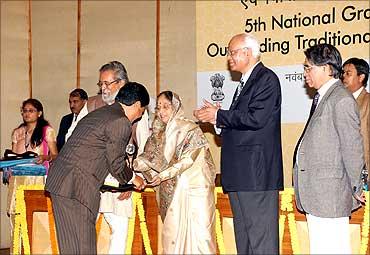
<point>96,148</point>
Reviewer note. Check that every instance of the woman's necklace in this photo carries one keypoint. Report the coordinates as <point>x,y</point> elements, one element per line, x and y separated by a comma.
<point>27,138</point>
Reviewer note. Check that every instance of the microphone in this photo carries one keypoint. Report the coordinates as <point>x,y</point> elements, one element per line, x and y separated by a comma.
<point>106,187</point>
<point>130,149</point>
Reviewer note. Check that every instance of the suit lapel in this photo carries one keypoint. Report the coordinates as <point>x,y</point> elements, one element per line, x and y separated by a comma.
<point>321,105</point>
<point>70,120</point>
<point>248,84</point>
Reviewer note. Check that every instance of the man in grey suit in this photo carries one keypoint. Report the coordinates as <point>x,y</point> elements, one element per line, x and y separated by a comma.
<point>329,156</point>
<point>96,148</point>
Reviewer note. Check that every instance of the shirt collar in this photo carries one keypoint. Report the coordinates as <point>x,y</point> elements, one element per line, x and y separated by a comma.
<point>81,114</point>
<point>357,93</point>
<point>245,76</point>
<point>324,88</point>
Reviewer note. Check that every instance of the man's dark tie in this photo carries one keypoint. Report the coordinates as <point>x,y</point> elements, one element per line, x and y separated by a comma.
<point>314,105</point>
<point>315,101</point>
<point>238,91</point>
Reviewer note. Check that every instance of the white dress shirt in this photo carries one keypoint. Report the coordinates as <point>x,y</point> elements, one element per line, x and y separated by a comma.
<point>75,120</point>
<point>357,93</point>
<point>324,88</point>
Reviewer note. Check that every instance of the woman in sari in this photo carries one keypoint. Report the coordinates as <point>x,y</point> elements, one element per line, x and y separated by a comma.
<point>177,158</point>
<point>36,135</point>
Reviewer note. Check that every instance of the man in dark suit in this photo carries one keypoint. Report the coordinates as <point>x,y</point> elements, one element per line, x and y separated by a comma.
<point>96,148</point>
<point>77,104</point>
<point>329,156</point>
<point>251,156</point>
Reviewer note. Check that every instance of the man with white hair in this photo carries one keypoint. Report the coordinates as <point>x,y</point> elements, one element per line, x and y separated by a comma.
<point>251,156</point>
<point>117,207</point>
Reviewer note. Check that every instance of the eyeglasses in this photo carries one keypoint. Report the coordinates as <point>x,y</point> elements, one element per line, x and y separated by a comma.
<point>106,83</point>
<point>233,52</point>
<point>28,110</point>
<point>307,68</point>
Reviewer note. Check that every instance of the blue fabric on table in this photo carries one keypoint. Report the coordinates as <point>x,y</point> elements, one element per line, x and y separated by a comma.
<point>9,163</point>
<point>22,167</point>
<point>28,169</point>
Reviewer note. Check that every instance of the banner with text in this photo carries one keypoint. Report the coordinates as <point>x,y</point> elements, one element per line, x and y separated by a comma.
<point>285,28</point>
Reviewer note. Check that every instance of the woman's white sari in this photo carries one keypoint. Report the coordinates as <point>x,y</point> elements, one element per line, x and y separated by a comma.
<point>179,153</point>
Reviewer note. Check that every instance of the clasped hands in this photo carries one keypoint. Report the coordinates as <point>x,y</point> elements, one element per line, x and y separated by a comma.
<point>140,184</point>
<point>207,113</point>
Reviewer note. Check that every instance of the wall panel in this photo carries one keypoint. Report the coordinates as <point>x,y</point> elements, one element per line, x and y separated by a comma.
<point>54,33</point>
<point>118,30</point>
<point>14,84</point>
<point>177,51</point>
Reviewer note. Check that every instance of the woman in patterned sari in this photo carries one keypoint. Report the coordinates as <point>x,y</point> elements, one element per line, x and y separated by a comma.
<point>177,158</point>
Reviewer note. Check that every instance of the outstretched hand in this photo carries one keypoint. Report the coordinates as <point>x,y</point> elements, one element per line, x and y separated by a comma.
<point>124,195</point>
<point>155,181</point>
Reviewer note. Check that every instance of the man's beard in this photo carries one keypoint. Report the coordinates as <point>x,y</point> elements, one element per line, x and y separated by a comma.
<point>109,99</point>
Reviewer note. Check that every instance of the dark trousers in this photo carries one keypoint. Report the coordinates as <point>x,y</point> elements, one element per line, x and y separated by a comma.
<point>256,221</point>
<point>75,226</point>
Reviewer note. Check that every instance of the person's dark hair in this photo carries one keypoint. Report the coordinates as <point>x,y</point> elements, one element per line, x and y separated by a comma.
<point>362,67</point>
<point>79,93</point>
<point>133,92</point>
<point>118,68</point>
<point>167,94</point>
<point>37,135</point>
<point>325,54</point>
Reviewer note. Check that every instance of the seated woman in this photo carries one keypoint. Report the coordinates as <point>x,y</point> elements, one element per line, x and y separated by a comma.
<point>177,158</point>
<point>36,135</point>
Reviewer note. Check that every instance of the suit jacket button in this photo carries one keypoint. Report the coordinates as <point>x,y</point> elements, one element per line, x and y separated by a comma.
<point>302,170</point>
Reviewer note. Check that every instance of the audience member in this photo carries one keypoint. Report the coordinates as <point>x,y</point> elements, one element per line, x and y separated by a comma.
<point>77,104</point>
<point>355,77</point>
<point>36,135</point>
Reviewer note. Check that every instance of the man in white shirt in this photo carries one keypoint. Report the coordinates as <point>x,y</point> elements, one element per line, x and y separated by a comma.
<point>117,207</point>
<point>77,103</point>
<point>355,77</point>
